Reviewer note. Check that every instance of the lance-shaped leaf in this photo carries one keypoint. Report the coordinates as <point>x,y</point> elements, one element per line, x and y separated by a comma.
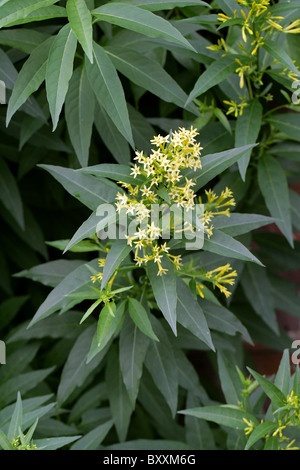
<point>157,5</point>
<point>164,290</point>
<point>246,132</point>
<point>277,52</point>
<point>15,10</point>
<point>42,14</point>
<point>24,39</point>
<point>5,443</point>
<point>93,224</point>
<point>214,74</point>
<point>259,432</point>
<point>273,392</point>
<point>80,19</point>
<point>190,314</point>
<point>141,21</point>
<point>30,77</point>
<point>58,297</point>
<point>161,363</point>
<point>289,124</point>
<point>216,163</point>
<point>112,138</point>
<point>115,172</point>
<point>16,420</point>
<point>106,317</point>
<point>108,90</point>
<point>89,190</point>
<point>282,379</point>
<point>93,439</point>
<point>274,187</point>
<point>257,288</point>
<point>10,195</point>
<point>79,113</point>
<point>140,318</point>
<point>54,443</point>
<point>133,348</point>
<point>223,414</point>
<point>224,245</point>
<point>59,70</point>
<point>239,224</point>
<point>114,258</point>
<point>148,74</point>
<point>120,405</point>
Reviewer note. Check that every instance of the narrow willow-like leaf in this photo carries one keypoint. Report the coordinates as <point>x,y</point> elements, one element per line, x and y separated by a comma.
<point>273,392</point>
<point>223,414</point>
<point>157,5</point>
<point>16,420</point>
<point>246,132</point>
<point>59,70</point>
<point>24,39</point>
<point>30,77</point>
<point>141,21</point>
<point>79,113</point>
<point>277,52</point>
<point>289,124</point>
<point>106,317</point>
<point>274,187</point>
<point>257,288</point>
<point>259,432</point>
<point>164,290</point>
<point>80,19</point>
<point>15,10</point>
<point>108,90</point>
<point>42,14</point>
<point>10,194</point>
<point>214,74</point>
<point>114,258</point>
<point>140,318</point>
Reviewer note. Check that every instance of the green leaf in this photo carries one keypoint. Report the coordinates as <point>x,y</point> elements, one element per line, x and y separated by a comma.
<point>108,90</point>
<point>54,443</point>
<point>16,420</point>
<point>5,444</point>
<point>133,348</point>
<point>90,310</point>
<point>106,317</point>
<point>22,39</point>
<point>273,392</point>
<point>161,363</point>
<point>277,52</point>
<point>274,187</point>
<point>259,432</point>
<point>140,318</point>
<point>164,290</point>
<point>85,188</point>
<point>190,314</point>
<point>286,296</point>
<point>257,288</point>
<point>289,124</point>
<point>79,114</point>
<point>80,19</point>
<point>282,379</point>
<point>109,133</point>
<point>93,224</point>
<point>51,273</point>
<point>31,76</point>
<point>21,383</point>
<point>157,5</point>
<point>116,172</point>
<point>93,439</point>
<point>214,164</point>
<point>224,245</point>
<point>214,74</point>
<point>224,415</point>
<point>296,382</point>
<point>147,73</point>
<point>271,443</point>
<point>59,70</point>
<point>141,21</point>
<point>15,10</point>
<point>10,195</point>
<point>246,132</point>
<point>230,381</point>
<point>120,405</point>
<point>113,329</point>
<point>41,14</point>
<point>57,299</point>
<point>76,370</point>
<point>118,252</point>
<point>239,224</point>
